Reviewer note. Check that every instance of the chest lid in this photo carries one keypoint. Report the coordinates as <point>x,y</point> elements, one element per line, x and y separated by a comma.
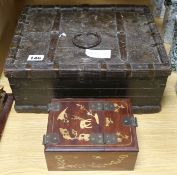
<point>90,125</point>
<point>83,41</point>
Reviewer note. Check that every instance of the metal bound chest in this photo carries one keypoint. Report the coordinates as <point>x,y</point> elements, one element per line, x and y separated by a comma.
<point>90,134</point>
<point>87,51</point>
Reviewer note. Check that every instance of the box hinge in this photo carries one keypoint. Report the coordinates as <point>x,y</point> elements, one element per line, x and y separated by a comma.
<point>96,138</point>
<point>54,106</point>
<point>102,139</point>
<point>98,106</point>
<point>110,139</point>
<point>52,138</point>
<point>130,121</point>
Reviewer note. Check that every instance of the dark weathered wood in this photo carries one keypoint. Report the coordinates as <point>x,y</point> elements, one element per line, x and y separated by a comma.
<point>5,112</point>
<point>137,55</point>
<point>90,134</point>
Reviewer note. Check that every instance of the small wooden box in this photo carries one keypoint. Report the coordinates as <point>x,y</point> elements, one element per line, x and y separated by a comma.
<point>91,134</point>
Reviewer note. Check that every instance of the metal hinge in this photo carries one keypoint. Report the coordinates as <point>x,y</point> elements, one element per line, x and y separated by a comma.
<point>110,139</point>
<point>52,138</point>
<point>100,138</point>
<point>54,107</point>
<point>130,121</point>
<point>98,106</point>
<point>96,138</point>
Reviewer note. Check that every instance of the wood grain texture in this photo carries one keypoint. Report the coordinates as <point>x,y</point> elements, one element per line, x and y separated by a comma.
<point>21,146</point>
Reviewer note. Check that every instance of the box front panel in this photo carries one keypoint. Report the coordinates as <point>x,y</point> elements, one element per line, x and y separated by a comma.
<point>76,161</point>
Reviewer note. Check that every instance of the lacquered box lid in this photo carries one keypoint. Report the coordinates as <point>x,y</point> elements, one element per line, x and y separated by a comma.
<point>90,125</point>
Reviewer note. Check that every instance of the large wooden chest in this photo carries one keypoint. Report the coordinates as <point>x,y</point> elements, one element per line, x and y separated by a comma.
<point>90,134</point>
<point>87,51</point>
